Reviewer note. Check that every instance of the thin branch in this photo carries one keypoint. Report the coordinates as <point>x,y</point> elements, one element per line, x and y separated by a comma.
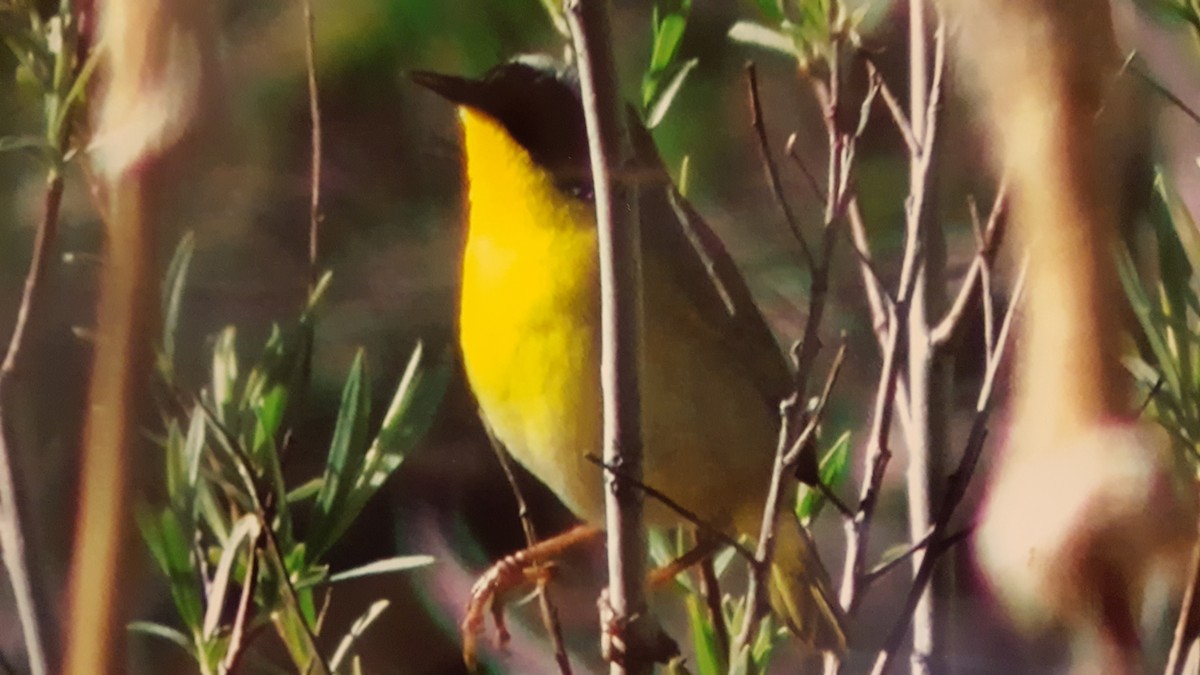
<point>878,300</point>
<point>885,567</point>
<point>878,455</point>
<point>631,638</point>
<point>237,636</point>
<point>1158,385</point>
<point>809,177</point>
<point>756,594</point>
<point>924,573</point>
<point>894,107</point>
<point>768,164</point>
<point>956,488</point>
<point>545,603</point>
<point>992,235</point>
<point>708,529</point>
<point>817,415</point>
<point>1187,629</point>
<point>805,356</point>
<point>710,587</point>
<point>1167,94</point>
<point>314,113</point>
<point>35,623</point>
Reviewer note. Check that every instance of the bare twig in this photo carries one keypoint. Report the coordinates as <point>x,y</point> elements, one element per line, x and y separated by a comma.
<point>992,235</point>
<point>878,455</point>
<point>927,374</point>
<point>1187,629</point>
<point>884,568</point>
<point>768,163</point>
<point>237,636</point>
<point>814,419</point>
<point>932,554</point>
<point>35,623</point>
<point>897,111</point>
<point>631,637</point>
<point>545,603</point>
<point>705,527</point>
<point>314,113</point>
<point>809,177</point>
<point>956,488</point>
<point>710,588</point>
<point>1167,94</point>
<point>756,594</point>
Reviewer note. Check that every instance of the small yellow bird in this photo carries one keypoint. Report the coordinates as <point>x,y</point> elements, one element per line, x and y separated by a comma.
<point>713,374</point>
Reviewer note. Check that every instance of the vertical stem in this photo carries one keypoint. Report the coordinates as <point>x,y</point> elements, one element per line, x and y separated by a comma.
<point>33,616</point>
<point>96,625</point>
<point>927,373</point>
<point>620,308</point>
<point>314,113</point>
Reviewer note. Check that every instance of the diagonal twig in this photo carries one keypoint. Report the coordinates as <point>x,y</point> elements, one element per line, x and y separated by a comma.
<point>545,602</point>
<point>769,168</point>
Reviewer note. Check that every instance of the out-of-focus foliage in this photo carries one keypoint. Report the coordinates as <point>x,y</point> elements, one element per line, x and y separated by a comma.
<point>228,531</point>
<point>1168,314</point>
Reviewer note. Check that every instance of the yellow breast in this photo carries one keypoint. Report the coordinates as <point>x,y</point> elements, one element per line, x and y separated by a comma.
<point>529,315</point>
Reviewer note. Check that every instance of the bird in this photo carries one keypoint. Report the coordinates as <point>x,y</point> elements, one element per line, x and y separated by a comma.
<point>713,373</point>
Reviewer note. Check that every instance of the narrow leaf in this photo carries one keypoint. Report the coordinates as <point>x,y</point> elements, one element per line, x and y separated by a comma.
<point>389,566</point>
<point>757,35</point>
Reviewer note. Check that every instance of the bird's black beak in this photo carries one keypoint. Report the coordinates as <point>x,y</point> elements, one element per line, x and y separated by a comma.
<point>458,90</point>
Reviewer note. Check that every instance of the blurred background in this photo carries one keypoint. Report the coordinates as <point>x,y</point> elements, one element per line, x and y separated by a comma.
<point>391,235</point>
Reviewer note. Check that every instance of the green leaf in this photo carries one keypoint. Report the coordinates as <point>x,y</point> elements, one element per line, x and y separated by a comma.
<point>164,632</point>
<point>1144,311</point>
<point>224,373</point>
<point>30,142</point>
<point>709,657</point>
<point>356,630</point>
<point>408,417</point>
<point>172,298</point>
<point>347,452</point>
<point>833,470</point>
<point>402,563</point>
<point>193,447</point>
<point>772,9</point>
<point>657,107</point>
<point>246,529</point>
<point>757,35</point>
<point>668,35</point>
<point>170,548</point>
<point>306,490</point>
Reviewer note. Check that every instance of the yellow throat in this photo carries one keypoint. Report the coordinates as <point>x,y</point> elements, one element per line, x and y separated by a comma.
<point>529,315</point>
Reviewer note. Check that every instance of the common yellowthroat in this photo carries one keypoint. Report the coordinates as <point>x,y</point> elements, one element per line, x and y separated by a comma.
<point>529,327</point>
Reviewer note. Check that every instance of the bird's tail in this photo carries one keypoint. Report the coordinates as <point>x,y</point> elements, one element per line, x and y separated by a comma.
<point>801,592</point>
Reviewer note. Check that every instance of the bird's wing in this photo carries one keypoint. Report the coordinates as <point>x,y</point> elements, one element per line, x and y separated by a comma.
<point>678,239</point>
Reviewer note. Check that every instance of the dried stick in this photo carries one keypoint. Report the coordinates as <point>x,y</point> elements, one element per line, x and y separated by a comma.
<point>927,373</point>
<point>35,624</point>
<point>768,163</point>
<point>545,603</point>
<point>989,244</point>
<point>629,632</point>
<point>956,488</point>
<point>314,113</point>
<point>710,587</point>
<point>1187,629</point>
